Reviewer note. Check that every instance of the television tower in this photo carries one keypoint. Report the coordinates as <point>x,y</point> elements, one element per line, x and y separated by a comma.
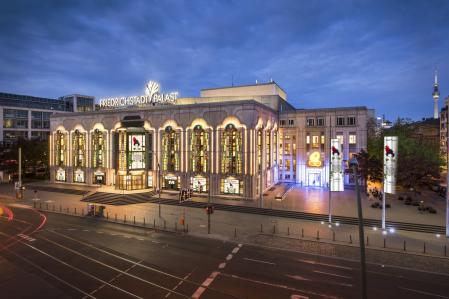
<point>436,96</point>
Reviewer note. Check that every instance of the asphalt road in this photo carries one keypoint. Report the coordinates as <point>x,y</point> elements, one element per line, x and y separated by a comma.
<point>59,256</point>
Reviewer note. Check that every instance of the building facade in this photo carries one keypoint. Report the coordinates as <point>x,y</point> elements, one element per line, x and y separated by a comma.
<point>235,141</point>
<point>28,117</point>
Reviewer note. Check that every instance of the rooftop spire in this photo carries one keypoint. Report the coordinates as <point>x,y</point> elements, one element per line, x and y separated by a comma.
<point>436,76</point>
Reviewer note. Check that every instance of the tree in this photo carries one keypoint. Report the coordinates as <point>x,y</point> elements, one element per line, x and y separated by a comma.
<point>417,158</point>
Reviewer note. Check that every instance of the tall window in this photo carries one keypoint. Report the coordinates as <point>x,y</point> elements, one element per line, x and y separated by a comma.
<point>275,149</point>
<point>79,149</point>
<point>231,145</point>
<point>122,166</point>
<point>259,148</point>
<point>268,148</point>
<point>61,148</point>
<point>98,148</point>
<point>170,149</point>
<point>199,146</point>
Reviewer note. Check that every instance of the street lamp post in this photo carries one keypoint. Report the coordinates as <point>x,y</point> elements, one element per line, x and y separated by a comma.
<point>160,187</point>
<point>354,164</point>
<point>209,189</point>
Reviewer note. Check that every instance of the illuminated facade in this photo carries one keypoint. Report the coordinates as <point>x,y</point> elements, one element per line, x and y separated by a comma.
<point>237,141</point>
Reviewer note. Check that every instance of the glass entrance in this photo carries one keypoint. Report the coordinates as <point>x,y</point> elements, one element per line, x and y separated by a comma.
<point>314,179</point>
<point>131,182</point>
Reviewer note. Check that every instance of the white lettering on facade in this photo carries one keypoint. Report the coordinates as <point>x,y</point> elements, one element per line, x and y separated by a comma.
<point>152,96</point>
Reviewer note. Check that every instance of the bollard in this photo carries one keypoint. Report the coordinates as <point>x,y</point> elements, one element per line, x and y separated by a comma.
<point>60,209</point>
<point>405,246</point>
<point>235,232</point>
<point>75,210</point>
<point>445,250</point>
<point>124,218</point>
<point>367,241</point>
<point>176,226</point>
<point>318,234</point>
<point>424,247</point>
<point>274,228</point>
<point>350,238</point>
<point>134,220</point>
<point>288,230</point>
<point>154,223</point>
<point>165,226</point>
<point>144,221</point>
<point>302,233</point>
<point>261,228</point>
<point>107,215</point>
<point>116,217</point>
<point>385,243</point>
<point>333,236</point>
<point>82,212</point>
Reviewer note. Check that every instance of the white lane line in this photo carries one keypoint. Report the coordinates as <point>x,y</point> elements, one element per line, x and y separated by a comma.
<point>323,264</point>
<point>81,271</point>
<point>117,256</point>
<point>51,274</point>
<point>424,293</point>
<point>259,261</point>
<point>111,267</point>
<point>140,239</point>
<point>113,279</point>
<point>297,277</point>
<point>332,274</point>
<point>71,229</point>
<point>126,236</point>
<point>179,283</point>
<point>28,238</point>
<point>279,286</point>
<point>199,291</point>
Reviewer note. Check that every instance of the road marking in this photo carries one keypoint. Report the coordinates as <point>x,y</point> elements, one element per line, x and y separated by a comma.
<point>51,274</point>
<point>110,267</point>
<point>295,296</point>
<point>71,229</point>
<point>140,239</point>
<point>120,257</point>
<point>424,293</point>
<point>332,274</point>
<point>81,271</point>
<point>323,264</point>
<point>28,238</point>
<point>297,277</point>
<point>259,261</point>
<point>214,274</point>
<point>180,283</point>
<point>279,286</point>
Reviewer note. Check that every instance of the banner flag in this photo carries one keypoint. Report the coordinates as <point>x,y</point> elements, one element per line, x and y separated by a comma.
<point>336,168</point>
<point>390,163</point>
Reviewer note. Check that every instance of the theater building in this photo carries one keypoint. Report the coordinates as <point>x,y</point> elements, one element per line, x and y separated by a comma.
<point>238,141</point>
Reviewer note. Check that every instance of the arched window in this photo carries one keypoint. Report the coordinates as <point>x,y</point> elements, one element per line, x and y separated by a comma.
<point>268,148</point>
<point>170,149</point>
<point>231,145</point>
<point>199,149</point>
<point>60,149</point>
<point>98,148</point>
<point>79,149</point>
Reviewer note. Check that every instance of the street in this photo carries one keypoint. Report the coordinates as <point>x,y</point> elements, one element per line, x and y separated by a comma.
<point>60,256</point>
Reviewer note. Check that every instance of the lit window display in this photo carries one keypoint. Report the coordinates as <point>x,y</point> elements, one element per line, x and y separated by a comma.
<point>60,149</point>
<point>231,144</point>
<point>98,148</point>
<point>60,175</point>
<point>79,149</point>
<point>198,184</point>
<point>259,149</point>
<point>275,148</point>
<point>199,149</point>
<point>150,180</point>
<point>231,186</point>
<point>136,151</point>
<point>171,182</point>
<point>170,149</point>
<point>79,176</point>
<point>122,165</point>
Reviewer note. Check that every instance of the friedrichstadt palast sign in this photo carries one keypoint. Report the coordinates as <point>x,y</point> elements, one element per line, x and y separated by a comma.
<point>152,96</point>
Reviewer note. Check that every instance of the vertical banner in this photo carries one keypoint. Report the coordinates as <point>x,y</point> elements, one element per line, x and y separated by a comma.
<point>390,163</point>
<point>336,169</point>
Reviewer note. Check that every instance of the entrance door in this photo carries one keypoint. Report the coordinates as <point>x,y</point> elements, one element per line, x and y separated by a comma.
<point>314,179</point>
<point>137,182</point>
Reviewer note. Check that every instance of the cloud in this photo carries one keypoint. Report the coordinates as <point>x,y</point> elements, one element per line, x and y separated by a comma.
<point>324,53</point>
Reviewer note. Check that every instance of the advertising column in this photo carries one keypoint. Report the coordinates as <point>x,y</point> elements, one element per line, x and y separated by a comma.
<point>336,182</point>
<point>390,165</point>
